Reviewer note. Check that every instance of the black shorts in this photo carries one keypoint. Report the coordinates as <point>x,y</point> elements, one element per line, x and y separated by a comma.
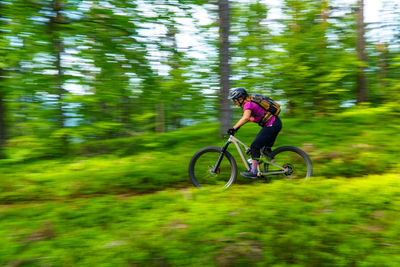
<point>266,137</point>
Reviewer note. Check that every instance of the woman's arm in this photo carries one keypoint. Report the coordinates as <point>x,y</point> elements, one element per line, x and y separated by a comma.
<point>245,118</point>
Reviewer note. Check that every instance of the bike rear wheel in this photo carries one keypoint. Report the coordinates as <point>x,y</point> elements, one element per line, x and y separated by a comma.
<point>202,165</point>
<point>291,163</point>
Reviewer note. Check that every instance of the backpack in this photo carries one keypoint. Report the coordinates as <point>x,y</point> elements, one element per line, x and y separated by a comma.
<point>270,106</point>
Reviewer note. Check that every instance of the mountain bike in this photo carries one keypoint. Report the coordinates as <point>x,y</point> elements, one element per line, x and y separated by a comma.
<point>216,166</point>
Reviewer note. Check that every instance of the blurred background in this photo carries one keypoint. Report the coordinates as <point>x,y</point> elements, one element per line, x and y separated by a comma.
<point>78,70</point>
<point>104,102</point>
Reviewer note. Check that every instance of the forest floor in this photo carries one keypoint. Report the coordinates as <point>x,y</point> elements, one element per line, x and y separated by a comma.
<point>93,207</point>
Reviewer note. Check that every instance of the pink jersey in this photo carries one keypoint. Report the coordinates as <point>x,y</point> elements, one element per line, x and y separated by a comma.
<point>257,113</point>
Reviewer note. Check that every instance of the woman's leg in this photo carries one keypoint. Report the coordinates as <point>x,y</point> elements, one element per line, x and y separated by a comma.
<point>266,137</point>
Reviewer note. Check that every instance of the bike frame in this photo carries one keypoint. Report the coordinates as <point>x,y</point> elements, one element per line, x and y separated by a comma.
<point>237,144</point>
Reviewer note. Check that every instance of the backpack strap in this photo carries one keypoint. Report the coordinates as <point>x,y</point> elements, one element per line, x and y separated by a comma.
<point>266,118</point>
<point>258,104</point>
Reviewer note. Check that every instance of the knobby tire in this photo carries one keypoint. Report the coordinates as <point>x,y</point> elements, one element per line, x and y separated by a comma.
<point>204,160</point>
<point>297,161</point>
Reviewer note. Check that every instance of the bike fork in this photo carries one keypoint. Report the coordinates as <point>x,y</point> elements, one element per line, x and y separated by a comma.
<point>215,170</point>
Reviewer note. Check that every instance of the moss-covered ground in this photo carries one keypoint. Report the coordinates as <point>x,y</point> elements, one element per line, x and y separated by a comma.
<point>129,202</point>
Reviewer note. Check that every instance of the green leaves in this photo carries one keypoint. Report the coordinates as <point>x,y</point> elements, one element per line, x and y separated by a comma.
<point>117,61</point>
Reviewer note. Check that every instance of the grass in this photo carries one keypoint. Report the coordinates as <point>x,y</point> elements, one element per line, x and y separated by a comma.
<point>337,222</point>
<point>357,143</point>
<point>92,208</point>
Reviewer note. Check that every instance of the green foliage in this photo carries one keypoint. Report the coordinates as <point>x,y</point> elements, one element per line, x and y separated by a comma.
<point>89,209</point>
<point>315,72</point>
<point>324,222</point>
<point>252,48</point>
<point>74,71</point>
<point>355,143</point>
<point>84,74</point>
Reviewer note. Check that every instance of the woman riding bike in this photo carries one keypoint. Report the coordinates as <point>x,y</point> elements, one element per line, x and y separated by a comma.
<point>255,113</point>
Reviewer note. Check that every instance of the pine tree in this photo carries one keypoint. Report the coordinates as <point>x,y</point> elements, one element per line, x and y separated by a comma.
<point>224,27</point>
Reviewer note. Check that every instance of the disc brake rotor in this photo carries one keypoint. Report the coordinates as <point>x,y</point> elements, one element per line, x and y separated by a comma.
<point>289,169</point>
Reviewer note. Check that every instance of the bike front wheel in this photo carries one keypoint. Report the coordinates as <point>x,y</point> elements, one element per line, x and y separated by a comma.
<point>291,163</point>
<point>202,169</point>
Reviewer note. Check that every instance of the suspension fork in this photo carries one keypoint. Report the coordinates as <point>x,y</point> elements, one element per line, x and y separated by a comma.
<point>221,155</point>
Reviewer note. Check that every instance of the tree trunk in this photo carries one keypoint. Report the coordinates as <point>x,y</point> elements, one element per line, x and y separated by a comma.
<point>225,105</point>
<point>160,118</point>
<point>58,50</point>
<point>320,97</point>
<point>2,119</point>
<point>362,90</point>
<point>324,16</point>
<point>383,68</point>
<point>2,106</point>
<point>126,105</point>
